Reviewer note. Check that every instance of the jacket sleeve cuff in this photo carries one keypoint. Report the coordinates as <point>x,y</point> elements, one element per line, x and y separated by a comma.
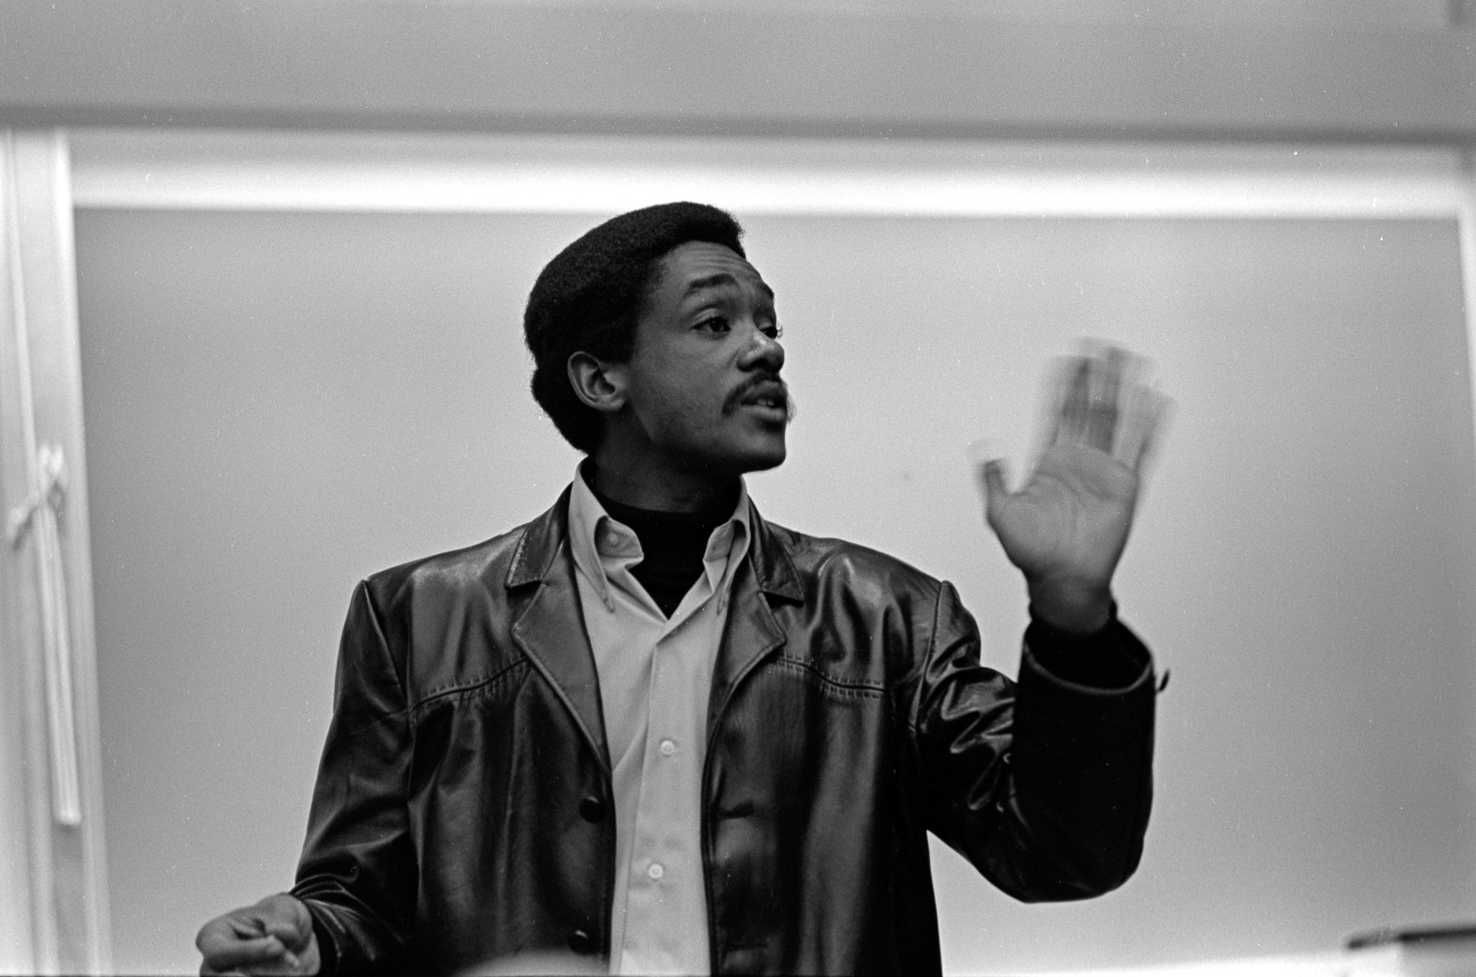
<point>1110,659</point>
<point>328,955</point>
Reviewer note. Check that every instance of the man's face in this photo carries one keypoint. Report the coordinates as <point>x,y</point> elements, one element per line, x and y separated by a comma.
<point>703,384</point>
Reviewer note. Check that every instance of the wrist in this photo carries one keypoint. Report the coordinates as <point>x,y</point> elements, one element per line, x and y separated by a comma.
<point>1071,606</point>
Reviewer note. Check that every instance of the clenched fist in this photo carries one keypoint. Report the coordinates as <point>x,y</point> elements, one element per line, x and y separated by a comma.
<point>273,937</point>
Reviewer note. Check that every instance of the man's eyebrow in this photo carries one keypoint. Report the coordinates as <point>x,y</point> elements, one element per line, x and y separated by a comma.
<point>723,278</point>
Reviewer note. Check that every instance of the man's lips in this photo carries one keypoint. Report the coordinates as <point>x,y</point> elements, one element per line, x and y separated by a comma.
<point>768,394</point>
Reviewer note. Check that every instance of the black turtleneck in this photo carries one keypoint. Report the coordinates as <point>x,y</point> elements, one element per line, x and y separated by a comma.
<point>673,544</point>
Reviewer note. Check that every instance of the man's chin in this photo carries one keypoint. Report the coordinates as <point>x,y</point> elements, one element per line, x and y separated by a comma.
<point>754,460</point>
<point>767,463</point>
<point>770,453</point>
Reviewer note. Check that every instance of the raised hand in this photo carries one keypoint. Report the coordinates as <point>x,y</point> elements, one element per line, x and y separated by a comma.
<point>1065,529</point>
<point>275,936</point>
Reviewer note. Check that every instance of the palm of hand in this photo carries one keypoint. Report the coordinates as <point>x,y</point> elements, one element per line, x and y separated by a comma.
<point>1066,528</point>
<point>1071,519</point>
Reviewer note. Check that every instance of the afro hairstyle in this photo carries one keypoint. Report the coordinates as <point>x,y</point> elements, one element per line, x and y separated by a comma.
<point>589,298</point>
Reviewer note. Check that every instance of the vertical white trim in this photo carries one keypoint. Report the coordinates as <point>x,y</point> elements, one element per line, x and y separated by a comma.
<point>78,561</point>
<point>1466,218</point>
<point>36,518</point>
<point>18,938</point>
<point>1467,229</point>
<point>47,564</point>
<point>26,586</point>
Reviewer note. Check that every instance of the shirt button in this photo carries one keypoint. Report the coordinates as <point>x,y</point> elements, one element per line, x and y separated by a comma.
<point>668,748</point>
<point>592,809</point>
<point>582,943</point>
<point>655,871</point>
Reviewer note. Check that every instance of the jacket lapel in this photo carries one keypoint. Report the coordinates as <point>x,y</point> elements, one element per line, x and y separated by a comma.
<point>548,622</point>
<point>752,631</point>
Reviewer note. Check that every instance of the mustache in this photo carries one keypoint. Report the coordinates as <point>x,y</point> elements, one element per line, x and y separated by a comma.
<point>761,379</point>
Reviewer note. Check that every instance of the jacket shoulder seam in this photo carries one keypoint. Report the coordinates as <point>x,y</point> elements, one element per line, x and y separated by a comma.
<point>920,665</point>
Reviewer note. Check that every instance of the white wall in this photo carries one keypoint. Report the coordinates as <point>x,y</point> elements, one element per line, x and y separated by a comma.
<point>278,404</point>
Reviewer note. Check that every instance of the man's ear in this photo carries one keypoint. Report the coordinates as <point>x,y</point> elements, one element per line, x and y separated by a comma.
<point>598,384</point>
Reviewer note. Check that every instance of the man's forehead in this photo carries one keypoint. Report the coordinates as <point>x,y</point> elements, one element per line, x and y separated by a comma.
<point>697,265</point>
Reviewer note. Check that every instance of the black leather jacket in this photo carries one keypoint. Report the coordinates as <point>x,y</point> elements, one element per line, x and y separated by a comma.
<point>463,810</point>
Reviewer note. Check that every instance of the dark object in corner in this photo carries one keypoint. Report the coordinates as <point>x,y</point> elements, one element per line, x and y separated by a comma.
<point>1406,936</point>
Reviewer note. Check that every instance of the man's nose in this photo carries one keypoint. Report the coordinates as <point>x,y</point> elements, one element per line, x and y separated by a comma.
<point>764,351</point>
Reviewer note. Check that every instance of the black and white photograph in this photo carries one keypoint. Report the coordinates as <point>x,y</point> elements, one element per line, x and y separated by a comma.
<point>970,487</point>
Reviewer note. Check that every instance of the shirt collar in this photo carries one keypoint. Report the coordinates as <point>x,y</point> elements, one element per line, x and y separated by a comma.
<point>601,544</point>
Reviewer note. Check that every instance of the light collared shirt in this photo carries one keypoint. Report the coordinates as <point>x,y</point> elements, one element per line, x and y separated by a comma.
<point>655,677</point>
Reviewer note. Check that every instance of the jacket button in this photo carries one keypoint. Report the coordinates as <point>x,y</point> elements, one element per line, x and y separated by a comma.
<point>582,943</point>
<point>592,809</point>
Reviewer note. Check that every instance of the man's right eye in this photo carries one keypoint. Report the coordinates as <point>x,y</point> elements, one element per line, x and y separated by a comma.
<point>717,323</point>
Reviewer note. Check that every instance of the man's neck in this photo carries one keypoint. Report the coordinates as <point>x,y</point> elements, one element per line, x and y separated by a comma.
<point>643,487</point>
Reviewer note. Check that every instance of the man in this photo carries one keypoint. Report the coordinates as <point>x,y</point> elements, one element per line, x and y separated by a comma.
<point>650,729</point>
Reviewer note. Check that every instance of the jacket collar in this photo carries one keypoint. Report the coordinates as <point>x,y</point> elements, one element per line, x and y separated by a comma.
<point>534,558</point>
<point>537,551</point>
<point>773,569</point>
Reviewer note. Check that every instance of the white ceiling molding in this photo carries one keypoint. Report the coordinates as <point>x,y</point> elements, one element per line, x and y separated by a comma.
<point>430,173</point>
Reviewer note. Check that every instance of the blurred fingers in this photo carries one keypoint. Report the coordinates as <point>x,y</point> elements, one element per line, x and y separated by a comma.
<point>1153,420</point>
<point>1087,394</point>
<point>1074,403</point>
<point>1104,400</point>
<point>1141,411</point>
<point>1107,376</point>
<point>990,477</point>
<point>262,955</point>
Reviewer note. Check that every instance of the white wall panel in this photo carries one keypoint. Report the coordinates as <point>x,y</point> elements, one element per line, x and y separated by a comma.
<point>280,403</point>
